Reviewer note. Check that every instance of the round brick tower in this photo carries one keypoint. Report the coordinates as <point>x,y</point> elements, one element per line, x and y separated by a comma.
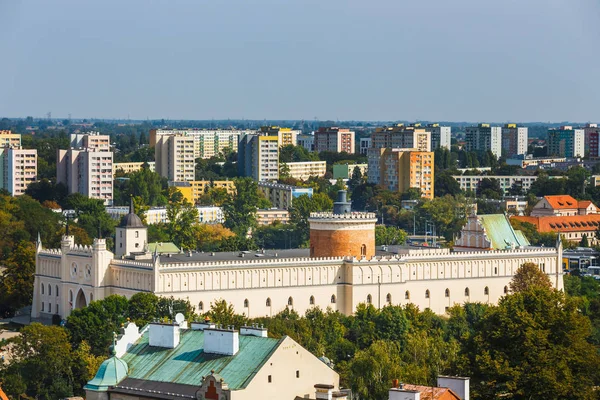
<point>342,233</point>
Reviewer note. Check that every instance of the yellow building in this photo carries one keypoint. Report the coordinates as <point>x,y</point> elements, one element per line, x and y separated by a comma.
<point>193,190</point>
<point>305,169</point>
<point>9,139</point>
<point>130,167</point>
<point>401,169</point>
<point>285,136</point>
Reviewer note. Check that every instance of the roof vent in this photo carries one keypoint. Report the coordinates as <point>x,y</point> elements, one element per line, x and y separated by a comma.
<point>221,341</point>
<point>254,330</point>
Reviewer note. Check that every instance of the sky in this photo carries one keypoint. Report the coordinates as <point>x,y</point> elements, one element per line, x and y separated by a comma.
<point>435,60</point>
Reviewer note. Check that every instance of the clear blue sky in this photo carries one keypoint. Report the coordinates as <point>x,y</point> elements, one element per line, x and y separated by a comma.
<point>457,60</point>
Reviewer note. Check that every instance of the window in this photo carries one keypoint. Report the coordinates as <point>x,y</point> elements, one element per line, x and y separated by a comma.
<point>268,302</point>
<point>42,288</point>
<point>290,301</point>
<point>56,308</point>
<point>49,307</point>
<point>388,298</point>
<point>363,250</point>
<point>246,303</point>
<point>43,305</point>
<point>49,290</point>
<point>467,293</point>
<point>71,296</point>
<point>447,293</point>
<point>201,306</point>
<point>269,378</point>
<point>427,294</point>
<point>495,270</point>
<point>56,287</point>
<point>137,234</point>
<point>297,374</point>
<point>120,245</point>
<point>486,291</point>
<point>311,300</point>
<point>333,299</point>
<point>407,295</point>
<point>505,289</point>
<point>369,299</point>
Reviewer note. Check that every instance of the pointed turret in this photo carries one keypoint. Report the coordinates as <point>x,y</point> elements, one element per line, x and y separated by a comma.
<point>38,243</point>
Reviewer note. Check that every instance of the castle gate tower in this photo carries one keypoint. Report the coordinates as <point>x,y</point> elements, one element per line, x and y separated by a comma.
<point>342,233</point>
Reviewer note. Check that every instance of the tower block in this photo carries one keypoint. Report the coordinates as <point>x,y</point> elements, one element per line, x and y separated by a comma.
<point>342,233</point>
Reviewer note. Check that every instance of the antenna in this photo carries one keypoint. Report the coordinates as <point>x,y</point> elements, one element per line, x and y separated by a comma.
<point>179,318</point>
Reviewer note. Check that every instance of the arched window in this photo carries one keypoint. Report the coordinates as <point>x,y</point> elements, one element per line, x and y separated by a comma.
<point>268,302</point>
<point>311,300</point>
<point>388,298</point>
<point>201,306</point>
<point>43,288</point>
<point>246,303</point>
<point>56,287</point>
<point>447,293</point>
<point>467,292</point>
<point>369,299</point>
<point>71,296</point>
<point>427,294</point>
<point>290,301</point>
<point>363,250</point>
<point>495,270</point>
<point>43,305</point>
<point>407,295</point>
<point>50,290</point>
<point>486,291</point>
<point>333,300</point>
<point>505,289</point>
<point>56,308</point>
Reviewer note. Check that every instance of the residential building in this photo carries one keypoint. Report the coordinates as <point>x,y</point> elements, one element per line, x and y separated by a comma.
<point>158,215</point>
<point>365,143</point>
<point>130,167</point>
<point>566,142</point>
<point>207,142</point>
<point>199,360</point>
<point>571,228</point>
<point>258,157</point>
<point>175,158</point>
<point>345,171</point>
<point>341,268</point>
<point>9,139</point>
<point>192,191</point>
<point>441,136</point>
<point>87,166</point>
<point>305,169</point>
<point>281,196</point>
<point>285,136</point>
<point>562,205</point>
<point>514,140</point>
<point>334,139</point>
<point>471,182</point>
<point>448,388</point>
<point>401,137</point>
<point>400,169</point>
<point>591,133</point>
<point>307,141</point>
<point>270,215</point>
<point>484,137</point>
<point>595,180</point>
<point>18,168</point>
<point>529,162</point>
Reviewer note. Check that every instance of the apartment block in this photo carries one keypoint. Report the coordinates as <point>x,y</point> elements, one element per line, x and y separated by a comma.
<point>591,134</point>
<point>175,157</point>
<point>471,182</point>
<point>514,140</point>
<point>193,190</point>
<point>271,215</point>
<point>365,143</point>
<point>484,137</point>
<point>402,169</point>
<point>285,136</point>
<point>305,169</point>
<point>345,171</point>
<point>334,139</point>
<point>307,141</point>
<point>258,157</point>
<point>401,137</point>
<point>207,142</point>
<point>281,196</point>
<point>130,167</point>
<point>441,136</point>
<point>9,139</point>
<point>18,168</point>
<point>87,166</point>
<point>158,215</point>
<point>566,142</point>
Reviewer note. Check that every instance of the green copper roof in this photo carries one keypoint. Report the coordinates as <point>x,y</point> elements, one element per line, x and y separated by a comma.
<point>187,363</point>
<point>500,232</point>
<point>111,372</point>
<point>167,247</point>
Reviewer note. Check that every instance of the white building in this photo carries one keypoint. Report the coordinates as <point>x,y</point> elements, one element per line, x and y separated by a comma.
<point>471,182</point>
<point>484,137</point>
<point>441,136</point>
<point>514,140</point>
<point>207,142</point>
<point>18,168</point>
<point>258,157</point>
<point>307,141</point>
<point>305,169</point>
<point>175,157</point>
<point>158,215</point>
<point>87,166</point>
<point>364,145</point>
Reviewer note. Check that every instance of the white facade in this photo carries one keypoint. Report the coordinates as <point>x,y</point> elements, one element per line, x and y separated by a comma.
<point>365,143</point>
<point>207,142</point>
<point>175,157</point>
<point>307,141</point>
<point>471,182</point>
<point>441,136</point>
<point>514,140</point>
<point>157,215</point>
<point>305,169</point>
<point>483,138</point>
<point>18,168</point>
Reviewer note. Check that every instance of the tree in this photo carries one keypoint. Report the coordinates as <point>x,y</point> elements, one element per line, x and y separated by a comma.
<point>527,276</point>
<point>183,217</point>
<point>240,210</point>
<point>490,189</point>
<point>389,235</point>
<point>584,241</point>
<point>143,308</point>
<point>303,205</point>
<point>91,215</point>
<point>223,313</point>
<point>16,282</point>
<point>208,237</point>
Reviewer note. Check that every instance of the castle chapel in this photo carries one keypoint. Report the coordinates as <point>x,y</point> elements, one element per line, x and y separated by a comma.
<point>341,269</point>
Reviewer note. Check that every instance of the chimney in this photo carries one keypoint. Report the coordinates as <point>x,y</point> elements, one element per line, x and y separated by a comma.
<point>458,384</point>
<point>323,391</point>
<point>164,335</point>
<point>254,330</point>
<point>403,394</point>
<point>200,326</point>
<point>221,341</point>
<point>341,206</point>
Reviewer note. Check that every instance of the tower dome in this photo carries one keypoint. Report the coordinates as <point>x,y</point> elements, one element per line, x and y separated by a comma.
<point>131,220</point>
<point>110,373</point>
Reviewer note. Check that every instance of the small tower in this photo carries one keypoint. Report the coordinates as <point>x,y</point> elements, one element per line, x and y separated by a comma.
<point>342,233</point>
<point>131,235</point>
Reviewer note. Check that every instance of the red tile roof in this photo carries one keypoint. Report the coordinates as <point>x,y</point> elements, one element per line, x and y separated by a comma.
<point>3,395</point>
<point>433,393</point>
<point>572,223</point>
<point>561,201</point>
<point>584,203</point>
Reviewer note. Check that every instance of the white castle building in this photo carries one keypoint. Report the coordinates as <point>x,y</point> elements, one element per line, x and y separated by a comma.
<point>264,283</point>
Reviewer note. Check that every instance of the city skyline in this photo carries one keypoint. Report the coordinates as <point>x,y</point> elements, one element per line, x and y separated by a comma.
<point>464,61</point>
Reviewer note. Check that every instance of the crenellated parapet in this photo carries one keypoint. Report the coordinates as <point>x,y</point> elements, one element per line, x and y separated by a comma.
<point>53,252</point>
<point>346,216</point>
<point>256,263</point>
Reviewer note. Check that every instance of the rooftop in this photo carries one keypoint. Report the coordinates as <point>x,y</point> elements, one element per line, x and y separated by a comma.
<point>432,393</point>
<point>561,201</point>
<point>571,223</point>
<point>235,255</point>
<point>500,232</point>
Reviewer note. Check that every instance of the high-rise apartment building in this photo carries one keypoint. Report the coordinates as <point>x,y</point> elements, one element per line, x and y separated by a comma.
<point>18,168</point>
<point>441,136</point>
<point>402,169</point>
<point>175,157</point>
<point>514,140</point>
<point>304,169</point>
<point>207,142</point>
<point>566,142</point>
<point>9,139</point>
<point>285,136</point>
<point>334,139</point>
<point>401,137</point>
<point>258,157</point>
<point>87,166</point>
<point>307,141</point>
<point>484,137</point>
<point>364,145</point>
<point>591,134</point>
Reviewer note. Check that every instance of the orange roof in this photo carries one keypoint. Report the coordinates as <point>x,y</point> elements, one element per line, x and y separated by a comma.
<point>433,393</point>
<point>561,201</point>
<point>3,395</point>
<point>584,203</point>
<point>572,223</point>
